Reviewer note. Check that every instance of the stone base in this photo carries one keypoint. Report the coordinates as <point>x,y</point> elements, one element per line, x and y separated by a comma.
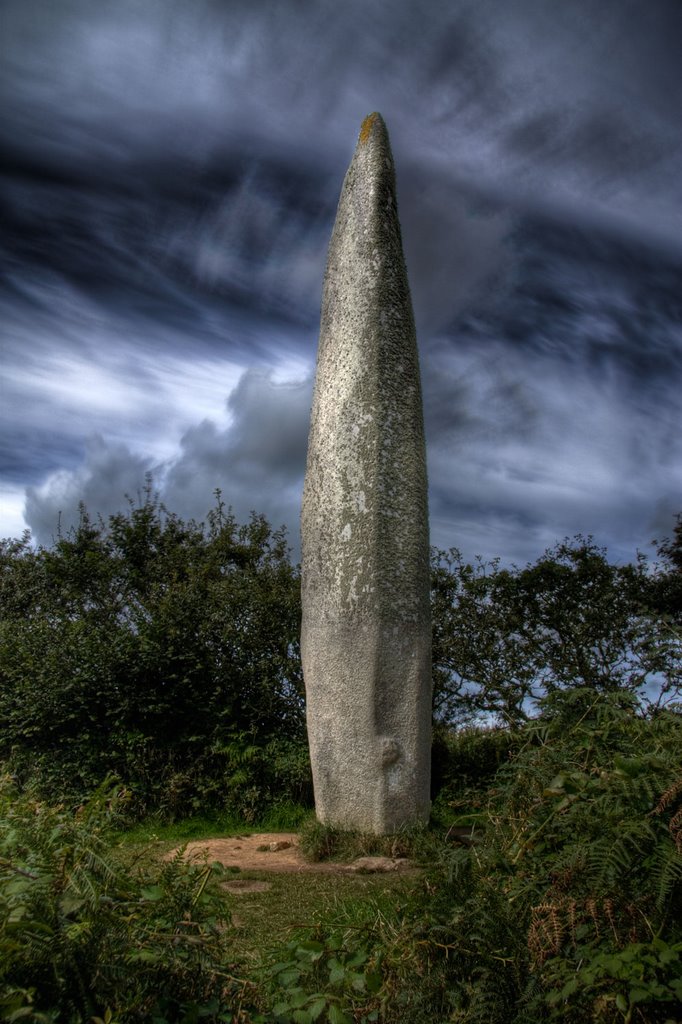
<point>369,724</point>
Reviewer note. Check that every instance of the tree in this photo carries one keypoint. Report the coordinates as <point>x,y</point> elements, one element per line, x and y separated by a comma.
<point>666,595</point>
<point>148,646</point>
<point>166,651</point>
<point>505,638</point>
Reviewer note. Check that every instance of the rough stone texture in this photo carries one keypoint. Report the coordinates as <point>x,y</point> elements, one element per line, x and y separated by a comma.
<point>366,630</point>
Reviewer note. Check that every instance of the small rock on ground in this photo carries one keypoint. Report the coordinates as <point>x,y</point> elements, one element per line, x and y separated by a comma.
<point>375,865</point>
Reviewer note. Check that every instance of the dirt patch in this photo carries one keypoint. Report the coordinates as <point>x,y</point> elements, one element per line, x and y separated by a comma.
<point>279,851</point>
<point>263,851</point>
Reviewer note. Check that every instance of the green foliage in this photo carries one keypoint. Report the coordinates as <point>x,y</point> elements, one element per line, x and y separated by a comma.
<point>576,876</point>
<point>162,651</point>
<point>325,842</point>
<point>666,591</point>
<point>465,762</point>
<point>645,974</point>
<point>83,938</point>
<point>566,906</point>
<point>565,903</point>
<point>333,979</point>
<point>506,638</point>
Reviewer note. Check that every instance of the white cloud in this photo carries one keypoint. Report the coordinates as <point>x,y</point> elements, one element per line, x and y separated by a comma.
<point>12,522</point>
<point>109,473</point>
<point>256,459</point>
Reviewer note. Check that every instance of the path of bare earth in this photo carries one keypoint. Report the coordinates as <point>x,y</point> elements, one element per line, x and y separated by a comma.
<point>280,852</point>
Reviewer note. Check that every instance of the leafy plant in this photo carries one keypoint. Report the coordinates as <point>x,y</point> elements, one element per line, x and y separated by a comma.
<point>333,980</point>
<point>162,651</point>
<point>640,975</point>
<point>575,872</point>
<point>83,937</point>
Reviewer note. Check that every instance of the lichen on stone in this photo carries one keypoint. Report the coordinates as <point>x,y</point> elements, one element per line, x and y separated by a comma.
<point>366,127</point>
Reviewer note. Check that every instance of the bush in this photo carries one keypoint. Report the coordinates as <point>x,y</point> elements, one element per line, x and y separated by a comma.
<point>568,906</point>
<point>85,938</point>
<point>503,639</point>
<point>467,759</point>
<point>147,648</point>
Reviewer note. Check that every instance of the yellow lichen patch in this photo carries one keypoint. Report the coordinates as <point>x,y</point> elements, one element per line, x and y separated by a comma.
<point>366,126</point>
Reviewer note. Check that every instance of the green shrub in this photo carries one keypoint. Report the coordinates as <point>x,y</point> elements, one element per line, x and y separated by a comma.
<point>83,937</point>
<point>567,903</point>
<point>577,875</point>
<point>333,979</point>
<point>160,651</point>
<point>465,761</point>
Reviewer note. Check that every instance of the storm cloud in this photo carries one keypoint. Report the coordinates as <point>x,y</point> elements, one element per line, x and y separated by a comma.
<point>169,185</point>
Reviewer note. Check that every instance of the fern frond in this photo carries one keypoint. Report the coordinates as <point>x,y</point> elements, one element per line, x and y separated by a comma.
<point>666,876</point>
<point>669,797</point>
<point>618,855</point>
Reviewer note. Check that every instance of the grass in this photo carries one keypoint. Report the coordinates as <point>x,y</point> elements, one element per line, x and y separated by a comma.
<point>265,921</point>
<point>287,817</point>
<point>300,903</point>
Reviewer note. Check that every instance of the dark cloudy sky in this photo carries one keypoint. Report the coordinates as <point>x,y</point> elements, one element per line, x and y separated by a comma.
<point>170,178</point>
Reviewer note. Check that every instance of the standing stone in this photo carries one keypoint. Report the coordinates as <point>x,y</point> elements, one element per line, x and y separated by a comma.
<point>366,630</point>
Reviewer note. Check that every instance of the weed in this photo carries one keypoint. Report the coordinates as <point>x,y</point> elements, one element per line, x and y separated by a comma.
<point>325,842</point>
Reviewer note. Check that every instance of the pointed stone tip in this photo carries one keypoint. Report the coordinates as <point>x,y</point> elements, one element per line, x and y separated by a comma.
<point>371,121</point>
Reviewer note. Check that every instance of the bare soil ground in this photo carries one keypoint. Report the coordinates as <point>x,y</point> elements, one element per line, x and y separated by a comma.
<point>280,852</point>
